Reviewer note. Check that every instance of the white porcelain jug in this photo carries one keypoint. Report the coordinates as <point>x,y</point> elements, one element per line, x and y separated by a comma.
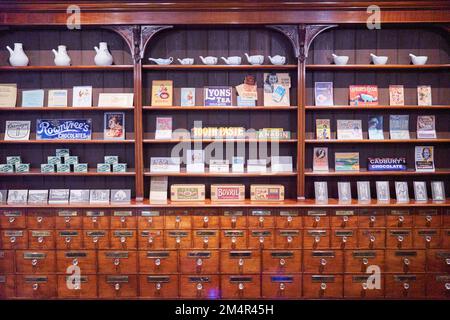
<point>162,60</point>
<point>277,60</point>
<point>234,60</point>
<point>17,57</point>
<point>256,59</point>
<point>340,60</point>
<point>209,60</point>
<point>418,60</point>
<point>61,56</point>
<point>103,57</point>
<point>186,61</point>
<point>378,59</point>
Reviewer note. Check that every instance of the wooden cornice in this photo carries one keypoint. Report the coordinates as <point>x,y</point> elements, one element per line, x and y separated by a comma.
<point>102,12</point>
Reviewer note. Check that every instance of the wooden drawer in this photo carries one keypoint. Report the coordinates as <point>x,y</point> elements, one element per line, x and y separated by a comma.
<point>261,239</point>
<point>360,286</point>
<point>41,239</point>
<point>404,286</point>
<point>281,261</point>
<point>438,260</point>
<point>438,286</point>
<point>121,262</point>
<point>150,219</point>
<point>150,239</point>
<point>233,239</point>
<point>399,238</point>
<point>36,286</point>
<point>405,261</point>
<point>6,261</point>
<point>371,218</point>
<point>7,286</point>
<point>12,219</point>
<point>241,287</point>
<point>96,239</point>
<point>427,218</point>
<point>329,261</point>
<point>158,261</point>
<point>316,219</point>
<point>399,219</point>
<point>446,238</point>
<point>357,261</point>
<point>261,218</point>
<point>178,239</point>
<point>289,219</point>
<point>316,239</point>
<point>123,219</point>
<point>35,262</point>
<point>40,219</point>
<point>205,219</point>
<point>232,219</point>
<point>322,286</point>
<point>123,239</point>
<point>117,286</point>
<point>239,262</point>
<point>85,259</point>
<point>14,239</point>
<point>206,239</point>
<point>344,239</point>
<point>96,219</point>
<point>68,219</point>
<point>343,219</point>
<point>69,239</point>
<point>200,287</point>
<point>83,288</point>
<point>178,219</point>
<point>281,286</point>
<point>371,238</point>
<point>427,238</point>
<point>199,262</point>
<point>288,239</point>
<point>158,287</point>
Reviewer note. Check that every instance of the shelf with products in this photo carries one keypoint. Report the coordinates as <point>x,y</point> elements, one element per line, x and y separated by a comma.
<point>373,67</point>
<point>64,109</point>
<point>378,108</point>
<point>184,173</point>
<point>221,108</point>
<point>199,67</point>
<point>72,68</point>
<point>388,173</point>
<point>356,141</point>
<point>225,140</point>
<point>90,173</point>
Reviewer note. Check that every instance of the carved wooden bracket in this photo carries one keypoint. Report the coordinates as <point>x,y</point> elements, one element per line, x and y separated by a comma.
<point>301,36</point>
<point>137,37</point>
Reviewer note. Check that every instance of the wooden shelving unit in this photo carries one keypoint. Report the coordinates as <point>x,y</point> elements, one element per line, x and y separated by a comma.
<point>372,67</point>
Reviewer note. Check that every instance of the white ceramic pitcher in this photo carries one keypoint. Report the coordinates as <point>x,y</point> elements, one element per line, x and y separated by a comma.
<point>17,57</point>
<point>61,56</point>
<point>103,57</point>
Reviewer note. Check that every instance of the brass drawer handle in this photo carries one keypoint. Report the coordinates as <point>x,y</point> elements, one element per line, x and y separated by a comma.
<point>39,219</point>
<point>35,286</point>
<point>282,262</point>
<point>12,239</point>
<point>323,286</point>
<point>406,286</point>
<point>34,262</point>
<point>40,239</point>
<point>67,220</point>
<point>282,286</point>
<point>157,262</point>
<point>323,262</point>
<point>11,219</point>
<point>199,262</point>
<point>365,261</point>
<point>158,286</point>
<point>372,219</point>
<point>68,239</point>
<point>75,262</point>
<point>447,286</point>
<point>116,262</point>
<point>117,286</point>
<point>406,261</point>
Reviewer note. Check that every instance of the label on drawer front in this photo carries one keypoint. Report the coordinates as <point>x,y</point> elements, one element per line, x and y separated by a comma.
<point>400,232</point>
<point>442,278</point>
<point>343,233</point>
<point>317,233</point>
<point>206,233</point>
<point>95,213</point>
<point>75,254</point>
<point>288,233</point>
<point>317,213</point>
<point>327,254</point>
<point>322,278</point>
<point>150,213</point>
<point>282,254</point>
<point>427,232</point>
<point>123,233</point>
<point>38,279</point>
<point>344,212</point>
<point>40,233</point>
<point>117,279</point>
<point>2,279</point>
<point>13,233</point>
<point>233,213</point>
<point>12,213</point>
<point>403,278</point>
<point>95,233</point>
<point>122,213</point>
<point>399,212</point>
<point>364,254</point>
<point>289,213</point>
<point>405,253</point>
<point>428,212</point>
<point>234,233</point>
<point>199,254</point>
<point>443,254</point>
<point>199,279</point>
<point>360,278</point>
<point>117,254</point>
<point>240,254</point>
<point>83,279</point>
<point>261,233</point>
<point>153,279</point>
<point>287,279</point>
<point>34,255</point>
<point>148,233</point>
<point>260,212</point>
<point>68,233</point>
<point>175,234</point>
<point>369,212</point>
<point>67,213</point>
<point>238,279</point>
<point>158,254</point>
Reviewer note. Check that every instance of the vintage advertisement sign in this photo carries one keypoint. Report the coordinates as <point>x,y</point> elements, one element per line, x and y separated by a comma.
<point>64,129</point>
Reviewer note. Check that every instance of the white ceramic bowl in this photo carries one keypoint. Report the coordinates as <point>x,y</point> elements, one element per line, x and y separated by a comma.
<point>340,60</point>
<point>379,59</point>
<point>419,60</point>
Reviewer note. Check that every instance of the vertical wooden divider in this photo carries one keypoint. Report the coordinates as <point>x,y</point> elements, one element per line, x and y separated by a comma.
<point>138,118</point>
<point>301,101</point>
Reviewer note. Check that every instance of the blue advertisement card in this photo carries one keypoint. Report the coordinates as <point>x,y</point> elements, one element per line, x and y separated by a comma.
<point>33,98</point>
<point>64,129</point>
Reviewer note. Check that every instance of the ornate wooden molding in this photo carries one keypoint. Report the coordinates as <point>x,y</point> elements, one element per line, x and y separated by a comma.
<point>137,37</point>
<point>301,36</point>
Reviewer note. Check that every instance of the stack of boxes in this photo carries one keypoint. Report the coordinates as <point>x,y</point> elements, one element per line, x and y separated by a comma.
<point>111,164</point>
<point>14,164</point>
<point>63,162</point>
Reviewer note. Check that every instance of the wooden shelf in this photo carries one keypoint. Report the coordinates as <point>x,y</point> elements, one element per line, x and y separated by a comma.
<point>127,67</point>
<point>233,108</point>
<point>306,204</point>
<point>91,172</point>
<point>201,67</point>
<point>49,109</point>
<point>335,141</point>
<point>183,173</point>
<point>97,138</point>
<point>380,107</point>
<point>373,67</point>
<point>236,140</point>
<point>333,173</point>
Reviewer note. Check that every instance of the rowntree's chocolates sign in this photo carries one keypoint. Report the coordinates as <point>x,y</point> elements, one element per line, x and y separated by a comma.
<point>64,129</point>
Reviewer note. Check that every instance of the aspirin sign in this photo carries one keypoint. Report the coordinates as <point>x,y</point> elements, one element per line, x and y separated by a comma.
<point>64,129</point>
